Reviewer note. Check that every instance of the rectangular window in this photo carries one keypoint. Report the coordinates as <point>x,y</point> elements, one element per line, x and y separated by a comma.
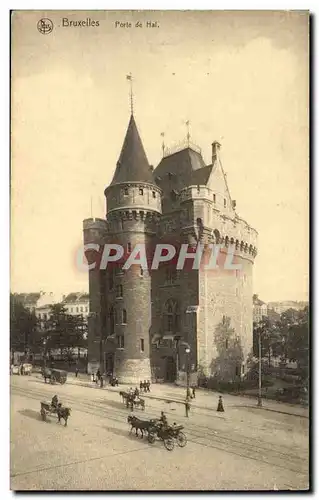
<point>119,291</point>
<point>154,194</point>
<point>125,191</point>
<point>142,345</point>
<point>225,202</point>
<point>77,309</point>
<point>129,247</point>
<point>141,191</point>
<point>120,341</point>
<point>214,198</point>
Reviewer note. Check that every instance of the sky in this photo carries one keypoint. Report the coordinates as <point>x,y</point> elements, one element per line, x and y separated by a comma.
<point>239,77</point>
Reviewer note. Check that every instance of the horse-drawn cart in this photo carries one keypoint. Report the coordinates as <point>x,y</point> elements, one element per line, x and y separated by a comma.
<point>47,408</point>
<point>54,376</point>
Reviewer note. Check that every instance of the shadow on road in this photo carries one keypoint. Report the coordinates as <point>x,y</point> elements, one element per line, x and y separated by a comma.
<point>31,414</point>
<point>121,432</point>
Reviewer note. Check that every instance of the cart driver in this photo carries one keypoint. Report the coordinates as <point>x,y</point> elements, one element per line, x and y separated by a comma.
<point>55,401</point>
<point>163,419</point>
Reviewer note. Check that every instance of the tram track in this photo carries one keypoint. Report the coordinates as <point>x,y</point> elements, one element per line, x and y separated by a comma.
<point>239,445</point>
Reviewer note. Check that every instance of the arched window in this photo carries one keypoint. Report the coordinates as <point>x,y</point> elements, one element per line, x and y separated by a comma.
<point>171,317</point>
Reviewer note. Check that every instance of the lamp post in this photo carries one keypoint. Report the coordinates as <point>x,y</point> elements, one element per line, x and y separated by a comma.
<point>187,351</point>
<point>259,403</point>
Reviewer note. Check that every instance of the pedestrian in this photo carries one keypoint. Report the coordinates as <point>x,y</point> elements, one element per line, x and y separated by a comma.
<point>141,385</point>
<point>220,406</point>
<point>187,407</point>
<point>76,372</point>
<point>145,385</point>
<point>148,385</point>
<point>98,376</point>
<point>193,392</point>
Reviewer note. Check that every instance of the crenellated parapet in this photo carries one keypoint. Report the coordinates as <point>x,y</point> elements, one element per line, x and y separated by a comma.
<point>95,230</point>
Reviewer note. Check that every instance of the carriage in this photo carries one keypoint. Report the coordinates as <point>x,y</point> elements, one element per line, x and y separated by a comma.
<point>157,429</point>
<point>168,434</point>
<point>131,400</point>
<point>54,376</point>
<point>59,411</point>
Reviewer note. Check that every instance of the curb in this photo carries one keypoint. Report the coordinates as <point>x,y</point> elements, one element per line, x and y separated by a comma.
<point>180,401</point>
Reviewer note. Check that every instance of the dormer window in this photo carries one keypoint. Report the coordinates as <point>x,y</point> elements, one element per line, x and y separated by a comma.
<point>141,191</point>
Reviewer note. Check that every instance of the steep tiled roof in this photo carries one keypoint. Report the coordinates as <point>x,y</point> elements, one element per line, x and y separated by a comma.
<point>75,297</point>
<point>182,166</point>
<point>132,164</point>
<point>201,176</point>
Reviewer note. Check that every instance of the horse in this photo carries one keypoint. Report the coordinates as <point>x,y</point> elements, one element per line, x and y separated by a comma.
<point>137,424</point>
<point>124,396</point>
<point>64,413</point>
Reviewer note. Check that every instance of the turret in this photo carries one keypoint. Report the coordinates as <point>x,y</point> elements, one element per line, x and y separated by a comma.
<point>133,208</point>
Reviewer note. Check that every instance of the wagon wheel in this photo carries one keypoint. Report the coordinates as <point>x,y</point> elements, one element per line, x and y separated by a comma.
<point>43,414</point>
<point>63,380</point>
<point>169,444</point>
<point>181,439</point>
<point>151,438</point>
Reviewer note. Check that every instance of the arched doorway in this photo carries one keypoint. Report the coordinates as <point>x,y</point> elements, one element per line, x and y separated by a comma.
<point>170,374</point>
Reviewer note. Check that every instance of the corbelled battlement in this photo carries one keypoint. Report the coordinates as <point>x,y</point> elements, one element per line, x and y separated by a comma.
<point>95,223</point>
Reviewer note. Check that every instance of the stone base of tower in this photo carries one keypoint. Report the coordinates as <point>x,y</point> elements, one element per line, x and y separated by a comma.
<point>132,371</point>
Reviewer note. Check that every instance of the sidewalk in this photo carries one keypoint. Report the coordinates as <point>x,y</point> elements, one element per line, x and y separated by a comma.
<point>205,399</point>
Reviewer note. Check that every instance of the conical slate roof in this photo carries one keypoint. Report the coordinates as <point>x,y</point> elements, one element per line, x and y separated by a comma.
<point>132,164</point>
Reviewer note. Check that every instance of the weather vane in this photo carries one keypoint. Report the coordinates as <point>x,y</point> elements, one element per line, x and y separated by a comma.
<point>130,79</point>
<point>188,134</point>
<point>163,143</point>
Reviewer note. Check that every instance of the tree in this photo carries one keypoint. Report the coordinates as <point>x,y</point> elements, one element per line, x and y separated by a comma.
<point>297,341</point>
<point>63,331</point>
<point>23,325</point>
<point>228,364</point>
<point>270,337</point>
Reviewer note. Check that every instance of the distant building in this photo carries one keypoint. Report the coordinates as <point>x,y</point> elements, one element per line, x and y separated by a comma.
<point>259,309</point>
<point>280,307</point>
<point>77,304</point>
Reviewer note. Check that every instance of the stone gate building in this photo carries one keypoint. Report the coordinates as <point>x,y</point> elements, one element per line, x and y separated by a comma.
<point>142,319</point>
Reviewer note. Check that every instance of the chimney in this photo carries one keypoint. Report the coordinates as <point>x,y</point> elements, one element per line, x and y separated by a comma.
<point>215,150</point>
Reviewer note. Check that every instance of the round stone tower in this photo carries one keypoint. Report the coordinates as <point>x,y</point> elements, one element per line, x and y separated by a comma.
<point>133,208</point>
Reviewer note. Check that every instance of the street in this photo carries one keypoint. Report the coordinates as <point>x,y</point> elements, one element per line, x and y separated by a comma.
<point>244,448</point>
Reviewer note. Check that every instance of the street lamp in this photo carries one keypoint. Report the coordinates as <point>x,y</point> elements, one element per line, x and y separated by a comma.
<point>259,403</point>
<point>187,351</point>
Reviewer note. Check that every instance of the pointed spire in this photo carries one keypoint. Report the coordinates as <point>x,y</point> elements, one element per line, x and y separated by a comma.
<point>132,164</point>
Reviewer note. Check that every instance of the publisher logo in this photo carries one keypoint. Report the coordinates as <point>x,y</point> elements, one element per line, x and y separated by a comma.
<point>45,26</point>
